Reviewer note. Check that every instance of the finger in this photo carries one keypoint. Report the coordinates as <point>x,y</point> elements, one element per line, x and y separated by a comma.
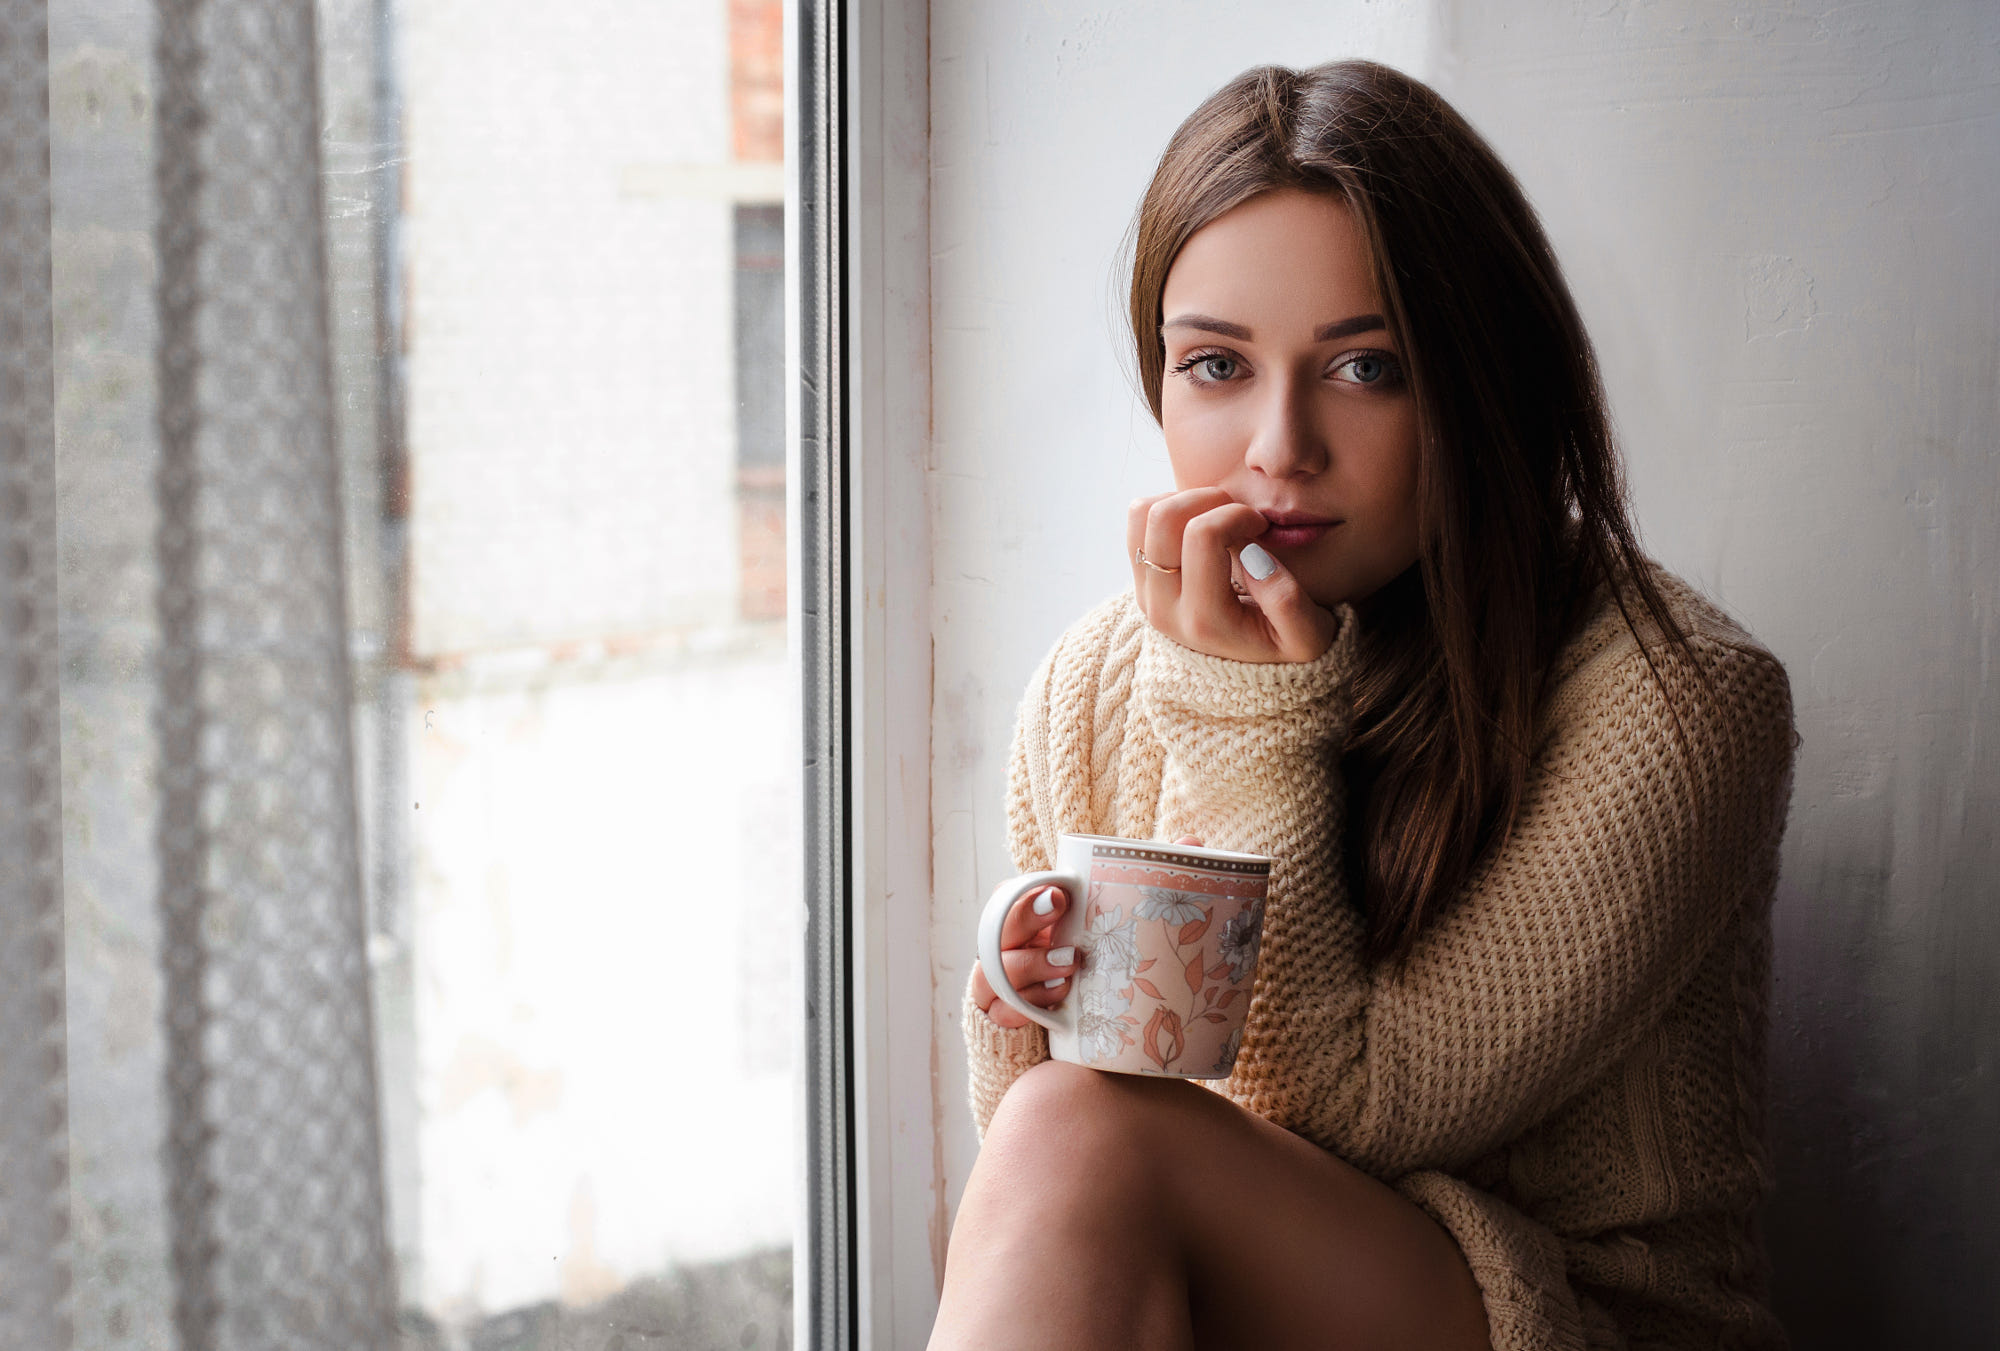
<point>1301,628</point>
<point>1031,971</point>
<point>1194,840</point>
<point>1031,914</point>
<point>1137,514</point>
<point>1149,588</point>
<point>1135,522</point>
<point>1168,517</point>
<point>1210,612</point>
<point>1003,1014</point>
<point>999,1010</point>
<point>1035,975</point>
<point>983,995</point>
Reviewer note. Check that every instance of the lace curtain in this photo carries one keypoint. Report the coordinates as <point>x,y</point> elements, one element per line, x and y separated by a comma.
<point>272,1160</point>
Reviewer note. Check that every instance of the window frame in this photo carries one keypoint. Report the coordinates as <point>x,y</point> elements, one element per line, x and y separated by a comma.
<point>858,237</point>
<point>815,245</point>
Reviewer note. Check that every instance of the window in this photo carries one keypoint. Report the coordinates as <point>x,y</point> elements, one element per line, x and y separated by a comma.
<point>556,243</point>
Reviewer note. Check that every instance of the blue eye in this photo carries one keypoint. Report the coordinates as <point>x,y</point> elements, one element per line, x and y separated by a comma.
<point>1370,370</point>
<point>1209,368</point>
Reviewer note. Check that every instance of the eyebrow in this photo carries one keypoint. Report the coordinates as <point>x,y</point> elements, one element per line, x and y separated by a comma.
<point>1339,328</point>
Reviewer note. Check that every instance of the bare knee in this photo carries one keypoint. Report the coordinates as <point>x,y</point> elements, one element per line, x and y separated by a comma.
<point>1054,1120</point>
<point>1084,1130</point>
<point>1065,1186</point>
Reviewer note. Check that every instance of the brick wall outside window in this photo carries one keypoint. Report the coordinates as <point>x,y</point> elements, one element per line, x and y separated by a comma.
<point>757,120</point>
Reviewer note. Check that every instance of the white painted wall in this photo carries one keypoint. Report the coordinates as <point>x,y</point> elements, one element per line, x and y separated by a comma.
<point>1780,225</point>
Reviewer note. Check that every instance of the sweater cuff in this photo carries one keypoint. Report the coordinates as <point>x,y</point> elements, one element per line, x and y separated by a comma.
<point>1177,677</point>
<point>1518,1264</point>
<point>995,1057</point>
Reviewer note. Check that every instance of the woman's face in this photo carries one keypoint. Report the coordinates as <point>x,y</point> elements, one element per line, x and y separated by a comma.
<point>1284,388</point>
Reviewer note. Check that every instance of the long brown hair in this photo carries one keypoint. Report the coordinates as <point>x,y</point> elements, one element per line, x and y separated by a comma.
<point>1521,504</point>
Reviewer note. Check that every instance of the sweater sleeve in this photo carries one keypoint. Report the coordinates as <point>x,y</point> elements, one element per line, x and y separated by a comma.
<point>1056,771</point>
<point>996,1056</point>
<point>1653,808</point>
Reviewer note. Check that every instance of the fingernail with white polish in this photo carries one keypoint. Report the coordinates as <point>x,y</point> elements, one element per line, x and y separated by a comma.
<point>1061,956</point>
<point>1045,903</point>
<point>1051,984</point>
<point>1258,563</point>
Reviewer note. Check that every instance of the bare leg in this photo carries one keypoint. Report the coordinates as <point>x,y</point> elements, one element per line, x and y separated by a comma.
<point>1113,1211</point>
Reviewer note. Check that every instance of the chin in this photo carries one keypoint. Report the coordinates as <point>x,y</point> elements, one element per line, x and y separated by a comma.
<point>1327,595</point>
<point>1329,584</point>
<point>1341,586</point>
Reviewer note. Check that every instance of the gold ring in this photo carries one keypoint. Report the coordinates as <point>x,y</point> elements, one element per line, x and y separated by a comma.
<point>1139,555</point>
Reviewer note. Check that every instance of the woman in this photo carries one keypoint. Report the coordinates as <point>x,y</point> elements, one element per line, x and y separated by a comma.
<point>1502,1079</point>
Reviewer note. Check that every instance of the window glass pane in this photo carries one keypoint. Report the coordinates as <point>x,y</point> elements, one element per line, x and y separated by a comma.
<point>554,241</point>
<point>587,1007</point>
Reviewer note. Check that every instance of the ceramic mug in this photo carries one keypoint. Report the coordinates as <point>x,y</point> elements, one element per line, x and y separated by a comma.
<point>1166,937</point>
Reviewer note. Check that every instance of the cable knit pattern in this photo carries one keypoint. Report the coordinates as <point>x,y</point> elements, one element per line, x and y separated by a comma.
<point>1567,1072</point>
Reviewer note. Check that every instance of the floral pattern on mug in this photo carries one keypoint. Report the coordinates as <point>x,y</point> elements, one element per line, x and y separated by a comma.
<point>1167,958</point>
<point>1175,907</point>
<point>1225,1060</point>
<point>1108,944</point>
<point>1103,1027</point>
<point>1242,937</point>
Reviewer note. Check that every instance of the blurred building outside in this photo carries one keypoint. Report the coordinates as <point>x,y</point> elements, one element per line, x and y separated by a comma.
<point>602,791</point>
<point>555,240</point>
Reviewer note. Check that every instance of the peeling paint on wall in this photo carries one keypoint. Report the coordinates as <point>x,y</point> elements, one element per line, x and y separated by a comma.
<point>1777,298</point>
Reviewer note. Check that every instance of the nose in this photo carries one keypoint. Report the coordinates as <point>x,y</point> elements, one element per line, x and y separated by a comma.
<point>1286,441</point>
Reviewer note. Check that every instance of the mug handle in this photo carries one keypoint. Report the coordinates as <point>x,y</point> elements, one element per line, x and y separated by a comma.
<point>994,918</point>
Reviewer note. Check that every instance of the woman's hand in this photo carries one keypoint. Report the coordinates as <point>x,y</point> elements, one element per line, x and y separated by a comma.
<point>1039,972</point>
<point>1033,967</point>
<point>1201,531</point>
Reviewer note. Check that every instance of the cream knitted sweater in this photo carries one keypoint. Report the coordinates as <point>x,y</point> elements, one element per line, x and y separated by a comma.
<point>1567,1074</point>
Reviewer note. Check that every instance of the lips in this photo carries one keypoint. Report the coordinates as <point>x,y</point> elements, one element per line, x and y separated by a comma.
<point>1294,529</point>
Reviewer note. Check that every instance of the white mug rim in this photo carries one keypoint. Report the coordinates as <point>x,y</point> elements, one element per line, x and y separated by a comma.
<point>1198,850</point>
